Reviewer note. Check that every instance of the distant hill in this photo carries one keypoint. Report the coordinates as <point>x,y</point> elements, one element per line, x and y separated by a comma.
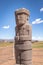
<point>6,40</point>
<point>12,40</point>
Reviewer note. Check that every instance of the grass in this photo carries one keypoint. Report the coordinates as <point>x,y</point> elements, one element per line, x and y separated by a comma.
<point>5,44</point>
<point>37,45</point>
<point>34,45</point>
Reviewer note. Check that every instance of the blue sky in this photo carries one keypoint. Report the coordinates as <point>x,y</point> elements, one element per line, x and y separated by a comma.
<point>7,17</point>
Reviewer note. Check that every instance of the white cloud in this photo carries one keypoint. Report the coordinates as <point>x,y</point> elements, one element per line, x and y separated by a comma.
<point>33,38</point>
<point>41,9</point>
<point>40,38</point>
<point>37,38</point>
<point>6,27</point>
<point>37,21</point>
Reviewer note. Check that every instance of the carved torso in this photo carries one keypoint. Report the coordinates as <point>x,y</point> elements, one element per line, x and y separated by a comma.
<point>23,31</point>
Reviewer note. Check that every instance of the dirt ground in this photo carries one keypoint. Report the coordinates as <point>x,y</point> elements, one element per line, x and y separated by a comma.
<point>37,56</point>
<point>6,56</point>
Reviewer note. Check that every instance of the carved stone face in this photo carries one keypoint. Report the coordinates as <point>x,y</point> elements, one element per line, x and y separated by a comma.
<point>21,19</point>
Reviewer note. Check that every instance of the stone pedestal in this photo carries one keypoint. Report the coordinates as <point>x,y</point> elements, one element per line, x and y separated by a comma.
<point>23,38</point>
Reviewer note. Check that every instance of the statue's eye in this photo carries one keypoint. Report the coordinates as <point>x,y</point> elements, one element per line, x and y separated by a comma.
<point>19,17</point>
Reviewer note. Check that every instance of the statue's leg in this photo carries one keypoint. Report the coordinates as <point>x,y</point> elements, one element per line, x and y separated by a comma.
<point>17,57</point>
<point>26,55</point>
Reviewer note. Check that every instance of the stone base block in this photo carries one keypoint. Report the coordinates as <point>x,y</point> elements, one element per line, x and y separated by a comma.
<point>26,62</point>
<point>18,64</point>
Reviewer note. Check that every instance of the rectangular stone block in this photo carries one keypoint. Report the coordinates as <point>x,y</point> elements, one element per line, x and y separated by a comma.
<point>18,64</point>
<point>26,62</point>
<point>26,45</point>
<point>26,55</point>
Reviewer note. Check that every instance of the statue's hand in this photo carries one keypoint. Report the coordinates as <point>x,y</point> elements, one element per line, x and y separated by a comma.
<point>17,38</point>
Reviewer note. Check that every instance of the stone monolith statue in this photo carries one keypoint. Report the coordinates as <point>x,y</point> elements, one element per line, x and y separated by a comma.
<point>23,38</point>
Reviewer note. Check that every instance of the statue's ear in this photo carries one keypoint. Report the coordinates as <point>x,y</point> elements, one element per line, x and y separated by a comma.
<point>27,18</point>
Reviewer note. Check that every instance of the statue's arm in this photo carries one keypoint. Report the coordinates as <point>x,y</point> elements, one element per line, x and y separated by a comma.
<point>17,34</point>
<point>29,30</point>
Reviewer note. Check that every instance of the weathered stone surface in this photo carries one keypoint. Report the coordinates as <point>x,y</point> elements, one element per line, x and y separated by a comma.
<point>24,33</point>
<point>19,64</point>
<point>21,16</point>
<point>23,38</point>
<point>17,55</point>
<point>22,11</point>
<point>24,30</point>
<point>26,55</point>
<point>26,62</point>
<point>17,38</point>
<point>26,45</point>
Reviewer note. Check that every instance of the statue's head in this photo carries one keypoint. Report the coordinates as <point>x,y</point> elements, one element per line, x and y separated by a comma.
<point>21,16</point>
